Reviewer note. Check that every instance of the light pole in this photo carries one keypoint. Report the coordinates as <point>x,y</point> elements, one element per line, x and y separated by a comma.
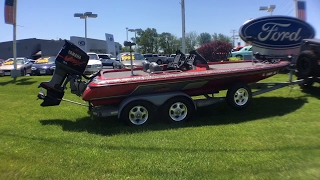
<point>127,33</point>
<point>85,16</point>
<point>183,27</point>
<point>135,36</point>
<point>268,9</point>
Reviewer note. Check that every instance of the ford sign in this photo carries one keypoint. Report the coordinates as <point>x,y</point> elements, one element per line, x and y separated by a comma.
<point>81,43</point>
<point>276,32</point>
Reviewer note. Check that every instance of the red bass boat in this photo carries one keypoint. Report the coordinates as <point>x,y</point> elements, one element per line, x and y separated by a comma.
<point>138,95</point>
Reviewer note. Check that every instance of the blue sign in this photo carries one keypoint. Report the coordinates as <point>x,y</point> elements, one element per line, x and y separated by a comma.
<point>276,32</point>
<point>82,43</point>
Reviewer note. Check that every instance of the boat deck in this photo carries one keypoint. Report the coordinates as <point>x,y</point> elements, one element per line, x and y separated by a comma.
<point>218,66</point>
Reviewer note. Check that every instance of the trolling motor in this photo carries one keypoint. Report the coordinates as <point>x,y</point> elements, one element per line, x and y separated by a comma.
<point>130,44</point>
<point>70,62</point>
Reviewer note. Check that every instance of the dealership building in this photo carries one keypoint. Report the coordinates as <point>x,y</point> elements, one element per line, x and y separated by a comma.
<point>34,48</point>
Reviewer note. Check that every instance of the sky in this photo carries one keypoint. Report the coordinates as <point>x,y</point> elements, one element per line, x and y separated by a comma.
<point>44,19</point>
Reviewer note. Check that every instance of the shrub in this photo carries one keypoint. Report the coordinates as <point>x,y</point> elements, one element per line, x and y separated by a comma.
<point>215,50</point>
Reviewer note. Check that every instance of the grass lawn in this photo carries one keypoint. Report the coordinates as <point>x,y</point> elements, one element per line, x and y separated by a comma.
<point>277,137</point>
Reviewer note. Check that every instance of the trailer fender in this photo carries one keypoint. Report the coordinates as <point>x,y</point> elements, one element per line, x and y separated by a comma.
<point>155,99</point>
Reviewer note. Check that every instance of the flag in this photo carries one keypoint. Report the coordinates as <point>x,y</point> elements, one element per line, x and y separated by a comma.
<point>301,10</point>
<point>9,11</point>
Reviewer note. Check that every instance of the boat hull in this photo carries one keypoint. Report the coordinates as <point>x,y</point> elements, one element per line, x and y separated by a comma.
<point>106,90</point>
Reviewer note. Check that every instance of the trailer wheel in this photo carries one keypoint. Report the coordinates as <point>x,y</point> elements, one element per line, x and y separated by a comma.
<point>239,96</point>
<point>308,83</point>
<point>178,109</point>
<point>306,64</point>
<point>137,113</point>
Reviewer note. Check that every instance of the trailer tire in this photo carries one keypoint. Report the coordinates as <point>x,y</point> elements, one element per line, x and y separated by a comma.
<point>306,64</point>
<point>307,84</point>
<point>178,109</point>
<point>239,96</point>
<point>137,113</point>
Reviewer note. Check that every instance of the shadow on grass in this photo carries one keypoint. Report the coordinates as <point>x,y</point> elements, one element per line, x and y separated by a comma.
<point>312,91</point>
<point>19,81</point>
<point>219,114</point>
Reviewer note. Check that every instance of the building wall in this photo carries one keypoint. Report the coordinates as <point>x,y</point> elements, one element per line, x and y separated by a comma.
<point>29,47</point>
<point>51,47</point>
<point>93,45</point>
<point>25,48</point>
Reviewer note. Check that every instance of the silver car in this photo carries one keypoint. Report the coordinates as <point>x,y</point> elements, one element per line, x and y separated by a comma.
<point>23,64</point>
<point>123,60</point>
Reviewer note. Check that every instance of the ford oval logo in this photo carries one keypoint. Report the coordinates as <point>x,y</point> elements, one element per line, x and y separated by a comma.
<point>276,32</point>
<point>81,43</point>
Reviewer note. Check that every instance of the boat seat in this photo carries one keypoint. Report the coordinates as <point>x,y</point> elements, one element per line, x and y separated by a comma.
<point>174,64</point>
<point>154,67</point>
<point>145,66</point>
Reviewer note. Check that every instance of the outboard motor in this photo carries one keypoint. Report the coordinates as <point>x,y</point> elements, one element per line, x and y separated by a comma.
<point>70,61</point>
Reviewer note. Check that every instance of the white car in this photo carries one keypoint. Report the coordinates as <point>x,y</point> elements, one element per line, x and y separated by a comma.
<point>94,64</point>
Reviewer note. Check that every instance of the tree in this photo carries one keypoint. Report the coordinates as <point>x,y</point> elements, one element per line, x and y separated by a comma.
<point>125,49</point>
<point>147,40</point>
<point>204,38</point>
<point>215,50</point>
<point>191,40</point>
<point>168,43</point>
<point>221,37</point>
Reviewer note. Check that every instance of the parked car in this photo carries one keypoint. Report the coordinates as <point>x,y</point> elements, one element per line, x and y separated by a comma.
<point>23,64</point>
<point>44,66</point>
<point>171,58</point>
<point>1,72</point>
<point>123,60</point>
<point>93,55</point>
<point>106,59</point>
<point>238,48</point>
<point>156,58</point>
<point>1,62</point>
<point>94,64</point>
<point>247,50</point>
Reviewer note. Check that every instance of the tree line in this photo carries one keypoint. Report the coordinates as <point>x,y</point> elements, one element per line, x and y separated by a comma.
<point>150,41</point>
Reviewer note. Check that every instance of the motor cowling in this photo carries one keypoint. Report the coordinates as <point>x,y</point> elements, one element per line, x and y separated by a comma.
<point>70,61</point>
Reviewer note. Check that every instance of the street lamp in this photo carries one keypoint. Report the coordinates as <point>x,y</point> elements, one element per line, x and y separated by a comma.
<point>268,9</point>
<point>85,16</point>
<point>135,36</point>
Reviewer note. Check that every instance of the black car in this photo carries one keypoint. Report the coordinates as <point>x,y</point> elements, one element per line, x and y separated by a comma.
<point>43,66</point>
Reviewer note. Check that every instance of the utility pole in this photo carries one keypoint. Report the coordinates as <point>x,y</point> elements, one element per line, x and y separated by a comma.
<point>234,36</point>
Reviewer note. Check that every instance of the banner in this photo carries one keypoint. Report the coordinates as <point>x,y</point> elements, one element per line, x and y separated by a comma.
<point>10,11</point>
<point>301,10</point>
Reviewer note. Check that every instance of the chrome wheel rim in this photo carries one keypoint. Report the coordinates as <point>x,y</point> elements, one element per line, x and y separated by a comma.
<point>138,115</point>
<point>178,111</point>
<point>241,97</point>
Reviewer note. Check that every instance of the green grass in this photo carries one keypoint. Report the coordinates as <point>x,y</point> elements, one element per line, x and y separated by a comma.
<point>277,137</point>
<point>234,59</point>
